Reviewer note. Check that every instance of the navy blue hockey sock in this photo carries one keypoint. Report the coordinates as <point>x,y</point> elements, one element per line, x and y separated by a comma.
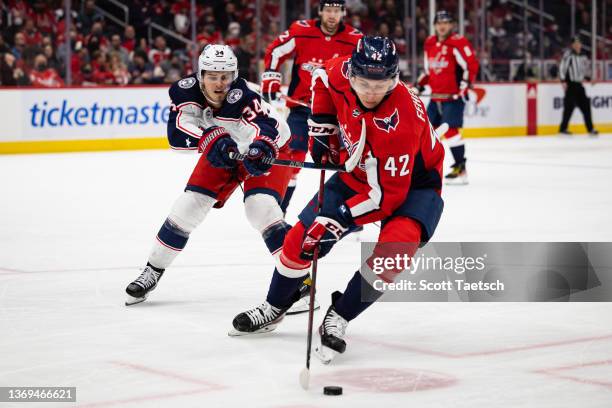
<point>350,305</point>
<point>274,235</point>
<point>458,154</point>
<point>172,236</point>
<point>287,198</point>
<point>283,291</point>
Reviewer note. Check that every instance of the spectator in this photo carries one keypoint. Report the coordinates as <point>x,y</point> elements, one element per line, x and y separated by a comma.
<point>89,15</point>
<point>43,17</point>
<point>140,69</point>
<point>118,49</point>
<point>32,35</point>
<point>245,55</point>
<point>209,34</point>
<point>101,73</point>
<point>399,38</point>
<point>96,39</point>
<point>119,69</point>
<point>52,61</point>
<point>233,35</point>
<point>19,45</point>
<point>44,76</point>
<point>7,66</point>
<point>129,38</point>
<point>160,51</point>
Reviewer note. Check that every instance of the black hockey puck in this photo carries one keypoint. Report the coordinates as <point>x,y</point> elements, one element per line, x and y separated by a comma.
<point>332,390</point>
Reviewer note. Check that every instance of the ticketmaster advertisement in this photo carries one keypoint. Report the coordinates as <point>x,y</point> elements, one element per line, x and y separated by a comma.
<point>84,113</point>
<point>487,272</point>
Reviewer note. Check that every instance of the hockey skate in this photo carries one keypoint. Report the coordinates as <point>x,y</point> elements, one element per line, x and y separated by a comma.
<point>329,340</point>
<point>261,319</point>
<point>303,303</point>
<point>457,176</point>
<point>139,289</point>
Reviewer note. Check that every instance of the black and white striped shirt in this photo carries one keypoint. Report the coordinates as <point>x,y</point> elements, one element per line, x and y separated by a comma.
<point>574,67</point>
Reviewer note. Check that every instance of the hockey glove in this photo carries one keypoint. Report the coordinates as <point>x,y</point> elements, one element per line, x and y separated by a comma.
<point>325,232</point>
<point>216,143</point>
<point>420,83</point>
<point>323,139</point>
<point>270,85</point>
<point>464,87</point>
<point>258,151</point>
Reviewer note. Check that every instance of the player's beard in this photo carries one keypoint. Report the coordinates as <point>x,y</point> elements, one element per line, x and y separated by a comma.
<point>330,28</point>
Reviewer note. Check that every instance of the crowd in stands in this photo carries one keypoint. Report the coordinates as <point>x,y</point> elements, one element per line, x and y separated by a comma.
<point>34,50</point>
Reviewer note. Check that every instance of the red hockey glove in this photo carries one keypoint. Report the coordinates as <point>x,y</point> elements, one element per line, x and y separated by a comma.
<point>325,232</point>
<point>270,85</point>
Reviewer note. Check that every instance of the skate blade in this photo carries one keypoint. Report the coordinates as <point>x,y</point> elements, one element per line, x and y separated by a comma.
<point>459,181</point>
<point>134,300</point>
<point>237,333</point>
<point>301,306</point>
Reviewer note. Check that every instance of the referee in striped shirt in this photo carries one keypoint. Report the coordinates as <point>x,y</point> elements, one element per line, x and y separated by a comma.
<point>572,71</point>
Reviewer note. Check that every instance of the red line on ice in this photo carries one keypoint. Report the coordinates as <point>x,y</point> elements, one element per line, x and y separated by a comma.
<point>211,386</point>
<point>484,352</point>
<point>553,372</point>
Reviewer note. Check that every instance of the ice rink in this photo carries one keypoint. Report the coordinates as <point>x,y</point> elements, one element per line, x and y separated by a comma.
<point>76,228</point>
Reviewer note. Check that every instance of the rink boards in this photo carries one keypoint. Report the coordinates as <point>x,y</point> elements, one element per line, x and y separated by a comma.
<point>132,118</point>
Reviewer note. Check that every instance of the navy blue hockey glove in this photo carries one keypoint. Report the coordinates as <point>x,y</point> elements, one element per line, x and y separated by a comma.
<point>325,232</point>
<point>258,151</point>
<point>323,139</point>
<point>216,143</point>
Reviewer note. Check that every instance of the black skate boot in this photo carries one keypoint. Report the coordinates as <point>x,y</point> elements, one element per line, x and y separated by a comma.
<point>302,304</point>
<point>458,175</point>
<point>139,289</point>
<point>330,338</point>
<point>261,319</point>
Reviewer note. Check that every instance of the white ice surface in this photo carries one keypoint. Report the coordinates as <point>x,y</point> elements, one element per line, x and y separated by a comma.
<point>75,228</point>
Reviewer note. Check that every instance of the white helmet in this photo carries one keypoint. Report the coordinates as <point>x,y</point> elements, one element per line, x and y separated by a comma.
<point>217,57</point>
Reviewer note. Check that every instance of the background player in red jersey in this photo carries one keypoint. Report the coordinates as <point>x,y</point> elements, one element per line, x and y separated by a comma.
<point>397,182</point>
<point>310,43</point>
<point>450,70</point>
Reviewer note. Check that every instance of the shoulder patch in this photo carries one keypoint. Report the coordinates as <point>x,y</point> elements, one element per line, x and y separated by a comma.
<point>186,83</point>
<point>303,23</point>
<point>344,69</point>
<point>234,95</point>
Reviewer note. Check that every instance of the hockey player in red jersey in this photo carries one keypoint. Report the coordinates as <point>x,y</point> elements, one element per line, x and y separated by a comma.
<point>310,43</point>
<point>450,70</point>
<point>215,113</point>
<point>397,181</point>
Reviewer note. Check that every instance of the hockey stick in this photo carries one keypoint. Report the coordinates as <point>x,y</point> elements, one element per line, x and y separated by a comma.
<point>441,96</point>
<point>291,163</point>
<point>305,373</point>
<point>348,166</point>
<point>287,98</point>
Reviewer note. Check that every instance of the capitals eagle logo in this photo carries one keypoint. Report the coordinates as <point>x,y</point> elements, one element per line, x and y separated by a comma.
<point>389,123</point>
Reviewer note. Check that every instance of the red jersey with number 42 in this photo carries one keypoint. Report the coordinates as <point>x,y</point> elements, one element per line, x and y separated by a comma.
<point>402,150</point>
<point>310,48</point>
<point>449,62</point>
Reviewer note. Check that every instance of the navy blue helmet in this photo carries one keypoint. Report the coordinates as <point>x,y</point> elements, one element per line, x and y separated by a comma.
<point>331,3</point>
<point>375,58</point>
<point>443,15</point>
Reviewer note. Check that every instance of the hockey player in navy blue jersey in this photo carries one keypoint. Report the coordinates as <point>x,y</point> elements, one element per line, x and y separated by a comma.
<point>215,113</point>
